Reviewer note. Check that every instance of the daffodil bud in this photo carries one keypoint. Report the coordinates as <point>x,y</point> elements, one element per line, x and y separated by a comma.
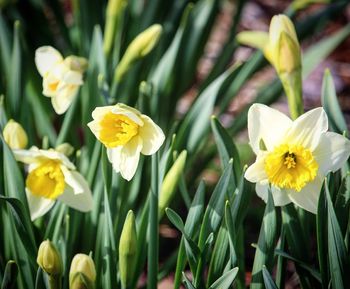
<point>82,274</point>
<point>49,259</point>
<point>170,182</point>
<point>76,63</point>
<point>138,48</point>
<point>14,135</point>
<point>127,250</point>
<point>65,148</point>
<point>113,12</point>
<point>283,49</point>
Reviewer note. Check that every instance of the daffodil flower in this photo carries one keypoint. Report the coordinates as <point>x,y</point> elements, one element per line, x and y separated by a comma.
<point>61,77</point>
<point>293,157</point>
<point>51,176</point>
<point>126,133</point>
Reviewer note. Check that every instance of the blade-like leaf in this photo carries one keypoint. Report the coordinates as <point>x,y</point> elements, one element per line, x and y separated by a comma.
<point>225,281</point>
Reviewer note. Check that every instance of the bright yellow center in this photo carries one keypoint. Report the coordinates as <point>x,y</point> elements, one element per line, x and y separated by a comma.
<point>53,86</point>
<point>290,167</point>
<point>47,180</point>
<point>117,129</point>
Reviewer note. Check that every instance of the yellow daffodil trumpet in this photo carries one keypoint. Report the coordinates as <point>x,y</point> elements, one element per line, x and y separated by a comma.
<point>126,133</point>
<point>295,156</point>
<point>51,176</point>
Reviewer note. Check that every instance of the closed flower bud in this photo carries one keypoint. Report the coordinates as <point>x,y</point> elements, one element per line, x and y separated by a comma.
<point>283,49</point>
<point>138,48</point>
<point>49,259</point>
<point>170,182</point>
<point>65,148</point>
<point>127,249</point>
<point>82,272</point>
<point>14,135</point>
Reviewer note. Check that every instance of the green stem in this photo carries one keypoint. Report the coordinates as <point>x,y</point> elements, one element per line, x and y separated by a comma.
<point>55,282</point>
<point>153,243</point>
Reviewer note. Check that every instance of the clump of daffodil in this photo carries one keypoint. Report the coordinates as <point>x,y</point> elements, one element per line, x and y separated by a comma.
<point>62,77</point>
<point>126,133</point>
<point>281,48</point>
<point>293,157</point>
<point>50,261</point>
<point>138,48</point>
<point>14,135</point>
<point>82,273</point>
<point>51,176</point>
<point>127,250</point>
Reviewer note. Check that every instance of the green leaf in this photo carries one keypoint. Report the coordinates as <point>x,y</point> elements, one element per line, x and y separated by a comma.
<point>268,281</point>
<point>187,282</point>
<point>264,254</point>
<point>300,263</point>
<point>320,50</point>
<point>175,219</point>
<point>215,209</point>
<point>226,148</point>
<point>331,104</point>
<point>225,281</point>
<point>196,123</point>
<point>23,225</point>
<point>337,252</point>
<point>10,275</point>
<point>321,234</point>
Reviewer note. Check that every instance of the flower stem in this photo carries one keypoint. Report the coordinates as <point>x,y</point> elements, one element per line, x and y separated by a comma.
<point>55,282</point>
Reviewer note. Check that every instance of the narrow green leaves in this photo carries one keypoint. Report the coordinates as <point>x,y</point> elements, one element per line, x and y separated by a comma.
<point>264,254</point>
<point>10,275</point>
<point>225,281</point>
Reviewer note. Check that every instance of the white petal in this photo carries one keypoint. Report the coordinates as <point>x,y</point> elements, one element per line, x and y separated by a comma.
<point>46,57</point>
<point>27,156</point>
<point>130,113</point>
<point>99,112</point>
<point>114,157</point>
<point>129,157</point>
<point>267,124</point>
<point>55,155</point>
<point>280,197</point>
<point>307,198</point>
<point>307,129</point>
<point>82,202</point>
<point>332,152</point>
<point>73,77</point>
<point>75,180</point>
<point>64,98</point>
<point>38,206</point>
<point>152,136</point>
<point>256,172</point>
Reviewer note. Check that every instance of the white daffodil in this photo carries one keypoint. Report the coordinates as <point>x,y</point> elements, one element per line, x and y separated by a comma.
<point>293,156</point>
<point>61,77</point>
<point>126,133</point>
<point>51,176</point>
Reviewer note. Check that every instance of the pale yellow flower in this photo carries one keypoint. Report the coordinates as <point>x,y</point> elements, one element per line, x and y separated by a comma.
<point>293,156</point>
<point>49,259</point>
<point>14,135</point>
<point>126,133</point>
<point>51,176</point>
<point>61,77</point>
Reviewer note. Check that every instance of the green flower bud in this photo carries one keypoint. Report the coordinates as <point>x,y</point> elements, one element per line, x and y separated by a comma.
<point>49,259</point>
<point>76,63</point>
<point>14,135</point>
<point>82,274</point>
<point>127,250</point>
<point>283,49</point>
<point>138,48</point>
<point>170,182</point>
<point>113,12</point>
<point>65,148</point>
